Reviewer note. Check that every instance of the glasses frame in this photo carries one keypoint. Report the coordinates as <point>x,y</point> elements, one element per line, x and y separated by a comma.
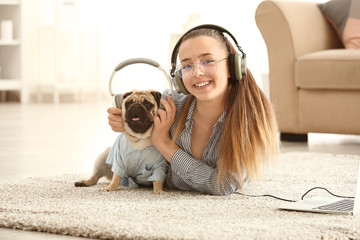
<point>179,68</point>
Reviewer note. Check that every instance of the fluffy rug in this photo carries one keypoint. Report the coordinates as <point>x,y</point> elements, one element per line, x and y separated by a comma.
<point>54,205</point>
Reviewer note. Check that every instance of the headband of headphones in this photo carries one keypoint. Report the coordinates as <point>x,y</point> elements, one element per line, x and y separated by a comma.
<point>206,26</point>
<point>118,98</point>
<point>135,61</point>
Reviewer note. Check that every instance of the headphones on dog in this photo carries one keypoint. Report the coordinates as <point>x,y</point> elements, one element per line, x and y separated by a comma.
<point>237,62</point>
<point>118,98</point>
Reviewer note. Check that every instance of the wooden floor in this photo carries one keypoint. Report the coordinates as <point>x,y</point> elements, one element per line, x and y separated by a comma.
<point>48,139</point>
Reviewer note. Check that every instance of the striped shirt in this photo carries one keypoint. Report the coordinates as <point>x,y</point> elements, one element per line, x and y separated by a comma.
<point>187,173</point>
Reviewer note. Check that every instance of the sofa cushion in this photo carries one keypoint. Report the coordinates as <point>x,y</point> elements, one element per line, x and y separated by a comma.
<point>329,69</point>
<point>344,16</point>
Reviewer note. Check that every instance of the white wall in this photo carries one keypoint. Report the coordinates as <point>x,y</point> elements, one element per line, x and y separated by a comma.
<point>93,36</point>
<point>143,28</point>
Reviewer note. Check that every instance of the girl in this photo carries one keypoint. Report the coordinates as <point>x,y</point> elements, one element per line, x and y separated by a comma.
<point>223,132</point>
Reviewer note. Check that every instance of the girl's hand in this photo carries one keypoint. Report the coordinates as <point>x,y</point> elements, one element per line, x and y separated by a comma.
<point>162,124</point>
<point>115,119</point>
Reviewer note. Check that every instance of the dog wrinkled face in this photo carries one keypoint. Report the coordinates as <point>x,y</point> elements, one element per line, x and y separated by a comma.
<point>139,108</point>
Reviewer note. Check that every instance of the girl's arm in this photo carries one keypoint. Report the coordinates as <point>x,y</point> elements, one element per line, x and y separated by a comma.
<point>198,174</point>
<point>162,123</point>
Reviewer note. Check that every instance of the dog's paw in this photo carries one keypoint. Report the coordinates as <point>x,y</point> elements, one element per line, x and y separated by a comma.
<point>109,189</point>
<point>159,191</point>
<point>86,183</point>
<point>80,184</point>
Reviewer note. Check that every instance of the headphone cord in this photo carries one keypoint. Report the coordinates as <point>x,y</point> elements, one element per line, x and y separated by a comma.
<point>302,198</point>
<point>266,195</point>
<point>288,200</point>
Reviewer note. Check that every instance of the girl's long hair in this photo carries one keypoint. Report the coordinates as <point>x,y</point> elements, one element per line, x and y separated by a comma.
<point>249,136</point>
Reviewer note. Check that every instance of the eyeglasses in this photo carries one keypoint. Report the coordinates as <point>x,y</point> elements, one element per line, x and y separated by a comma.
<point>208,67</point>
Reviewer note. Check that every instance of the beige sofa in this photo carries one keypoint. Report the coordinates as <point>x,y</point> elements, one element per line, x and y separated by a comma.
<point>314,82</point>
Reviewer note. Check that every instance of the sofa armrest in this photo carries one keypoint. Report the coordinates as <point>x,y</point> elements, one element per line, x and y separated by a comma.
<point>291,29</point>
<point>301,24</point>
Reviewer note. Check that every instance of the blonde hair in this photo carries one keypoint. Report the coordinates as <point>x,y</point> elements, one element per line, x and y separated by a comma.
<point>249,136</point>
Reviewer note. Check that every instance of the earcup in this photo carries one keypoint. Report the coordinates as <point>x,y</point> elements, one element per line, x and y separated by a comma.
<point>117,100</point>
<point>237,66</point>
<point>179,84</point>
<point>243,67</point>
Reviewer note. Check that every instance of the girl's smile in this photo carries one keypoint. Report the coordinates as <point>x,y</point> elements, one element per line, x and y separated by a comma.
<point>202,84</point>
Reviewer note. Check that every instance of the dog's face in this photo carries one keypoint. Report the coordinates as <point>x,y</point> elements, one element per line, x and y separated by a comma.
<point>138,110</point>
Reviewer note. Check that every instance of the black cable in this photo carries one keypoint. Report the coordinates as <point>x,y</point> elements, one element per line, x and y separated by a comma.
<point>302,198</point>
<point>288,200</point>
<point>266,195</point>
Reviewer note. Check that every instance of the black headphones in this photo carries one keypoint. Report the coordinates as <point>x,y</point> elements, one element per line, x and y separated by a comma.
<point>237,62</point>
<point>118,98</point>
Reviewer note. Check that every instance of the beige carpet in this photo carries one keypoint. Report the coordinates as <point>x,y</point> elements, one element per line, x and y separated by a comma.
<point>54,205</point>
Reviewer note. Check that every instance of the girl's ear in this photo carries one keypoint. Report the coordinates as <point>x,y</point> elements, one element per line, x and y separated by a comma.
<point>126,94</point>
<point>157,97</point>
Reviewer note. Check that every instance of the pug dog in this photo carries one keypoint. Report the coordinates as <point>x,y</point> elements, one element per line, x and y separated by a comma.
<point>132,160</point>
<point>138,110</point>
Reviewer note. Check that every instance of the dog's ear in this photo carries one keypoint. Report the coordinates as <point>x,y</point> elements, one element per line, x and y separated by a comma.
<point>157,97</point>
<point>126,94</point>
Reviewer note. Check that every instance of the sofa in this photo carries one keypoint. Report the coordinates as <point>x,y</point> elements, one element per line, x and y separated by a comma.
<point>314,82</point>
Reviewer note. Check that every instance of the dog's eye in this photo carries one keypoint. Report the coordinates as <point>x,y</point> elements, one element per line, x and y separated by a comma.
<point>128,103</point>
<point>148,104</point>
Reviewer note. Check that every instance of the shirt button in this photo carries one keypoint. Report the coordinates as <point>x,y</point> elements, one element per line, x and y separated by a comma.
<point>178,173</point>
